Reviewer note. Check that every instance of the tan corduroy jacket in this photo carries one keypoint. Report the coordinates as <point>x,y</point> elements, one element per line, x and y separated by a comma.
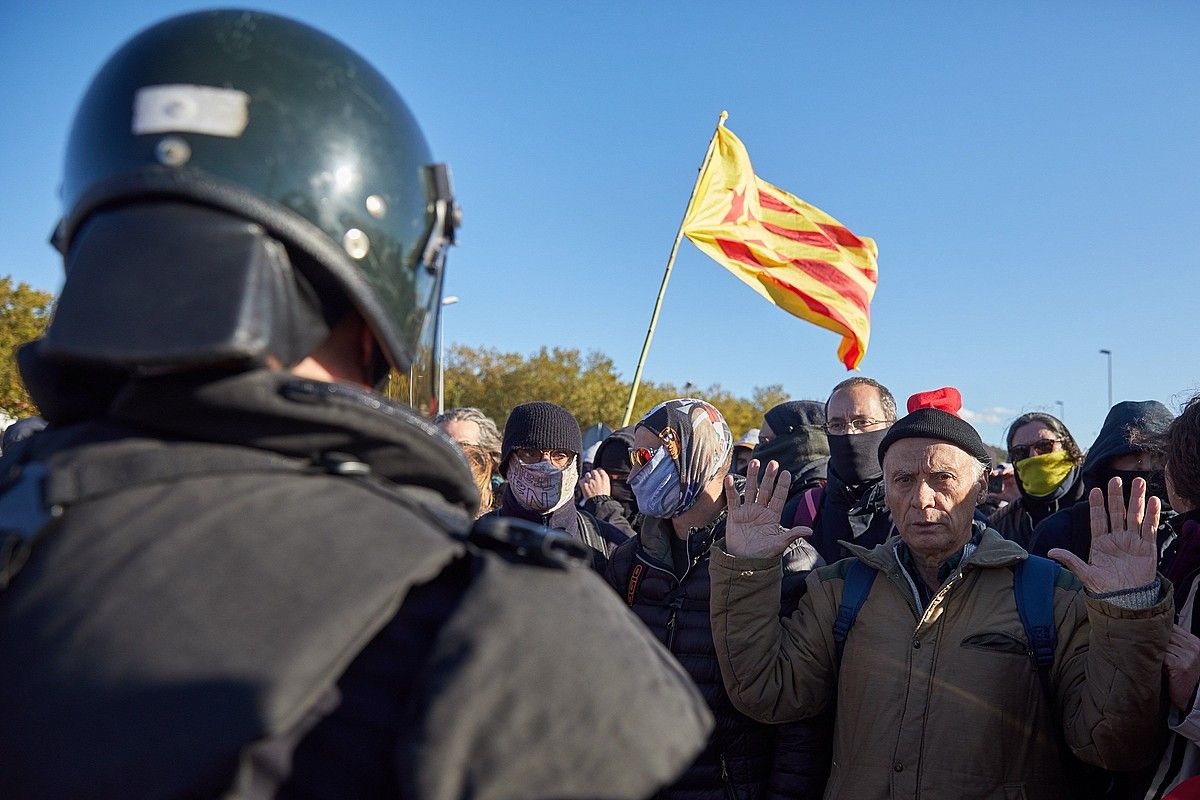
<point>944,703</point>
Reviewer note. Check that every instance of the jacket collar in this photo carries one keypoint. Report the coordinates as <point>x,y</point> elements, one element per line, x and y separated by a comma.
<point>993,551</point>
<point>281,413</point>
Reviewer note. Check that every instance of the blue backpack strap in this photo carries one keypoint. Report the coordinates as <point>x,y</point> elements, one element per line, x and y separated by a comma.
<point>856,587</point>
<point>1033,587</point>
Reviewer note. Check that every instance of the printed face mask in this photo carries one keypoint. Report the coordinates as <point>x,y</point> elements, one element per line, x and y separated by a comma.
<point>1041,475</point>
<point>542,487</point>
<point>657,487</point>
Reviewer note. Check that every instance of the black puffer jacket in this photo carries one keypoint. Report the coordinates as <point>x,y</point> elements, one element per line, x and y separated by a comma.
<point>743,758</point>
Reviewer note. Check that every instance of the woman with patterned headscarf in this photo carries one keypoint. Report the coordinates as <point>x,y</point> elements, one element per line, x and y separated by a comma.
<point>680,454</point>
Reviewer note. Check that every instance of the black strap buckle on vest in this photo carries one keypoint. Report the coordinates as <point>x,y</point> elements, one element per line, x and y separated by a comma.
<point>529,542</point>
<point>23,516</point>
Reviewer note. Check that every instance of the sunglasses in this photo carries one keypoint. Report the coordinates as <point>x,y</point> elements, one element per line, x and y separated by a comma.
<point>639,456</point>
<point>1039,448</point>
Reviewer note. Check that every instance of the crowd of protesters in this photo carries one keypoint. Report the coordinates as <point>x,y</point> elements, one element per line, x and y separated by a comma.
<point>738,554</point>
<point>229,569</point>
<point>745,558</point>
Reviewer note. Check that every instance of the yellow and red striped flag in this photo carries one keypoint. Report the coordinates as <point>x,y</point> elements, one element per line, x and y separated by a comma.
<point>793,254</point>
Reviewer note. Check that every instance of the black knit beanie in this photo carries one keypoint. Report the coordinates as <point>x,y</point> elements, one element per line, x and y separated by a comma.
<point>541,426</point>
<point>933,423</point>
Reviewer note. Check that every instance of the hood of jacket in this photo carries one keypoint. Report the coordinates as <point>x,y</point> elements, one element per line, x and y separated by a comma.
<point>1118,435</point>
<point>282,413</point>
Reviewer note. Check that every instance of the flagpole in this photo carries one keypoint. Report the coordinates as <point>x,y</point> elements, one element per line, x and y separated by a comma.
<point>637,375</point>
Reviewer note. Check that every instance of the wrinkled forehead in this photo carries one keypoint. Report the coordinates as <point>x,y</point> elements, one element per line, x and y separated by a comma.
<point>925,456</point>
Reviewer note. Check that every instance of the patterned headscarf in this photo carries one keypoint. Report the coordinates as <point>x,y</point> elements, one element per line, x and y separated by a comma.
<point>697,439</point>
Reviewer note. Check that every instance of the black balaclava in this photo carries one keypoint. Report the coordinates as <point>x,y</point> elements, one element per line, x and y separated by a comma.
<point>800,445</point>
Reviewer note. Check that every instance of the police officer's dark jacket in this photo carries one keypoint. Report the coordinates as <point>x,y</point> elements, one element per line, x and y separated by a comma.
<point>234,597</point>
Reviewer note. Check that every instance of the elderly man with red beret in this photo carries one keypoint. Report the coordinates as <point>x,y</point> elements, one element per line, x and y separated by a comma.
<point>929,662</point>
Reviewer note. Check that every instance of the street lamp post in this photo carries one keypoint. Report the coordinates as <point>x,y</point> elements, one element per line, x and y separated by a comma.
<point>1108,353</point>
<point>441,336</point>
<point>1061,410</point>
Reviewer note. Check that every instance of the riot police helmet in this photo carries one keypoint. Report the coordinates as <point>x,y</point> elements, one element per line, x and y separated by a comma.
<point>234,183</point>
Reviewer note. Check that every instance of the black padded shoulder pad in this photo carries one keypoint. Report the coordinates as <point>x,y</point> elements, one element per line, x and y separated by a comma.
<point>528,541</point>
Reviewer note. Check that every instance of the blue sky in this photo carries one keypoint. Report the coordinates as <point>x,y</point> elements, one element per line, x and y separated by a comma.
<point>1031,173</point>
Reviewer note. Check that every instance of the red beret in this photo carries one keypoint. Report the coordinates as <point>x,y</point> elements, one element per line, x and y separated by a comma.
<point>945,399</point>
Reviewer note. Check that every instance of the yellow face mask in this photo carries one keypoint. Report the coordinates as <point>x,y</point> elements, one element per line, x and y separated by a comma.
<point>1041,475</point>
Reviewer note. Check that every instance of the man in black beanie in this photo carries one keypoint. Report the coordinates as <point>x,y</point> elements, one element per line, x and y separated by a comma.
<point>540,460</point>
<point>935,690</point>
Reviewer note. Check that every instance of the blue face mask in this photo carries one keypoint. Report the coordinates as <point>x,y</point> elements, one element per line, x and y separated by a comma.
<point>657,487</point>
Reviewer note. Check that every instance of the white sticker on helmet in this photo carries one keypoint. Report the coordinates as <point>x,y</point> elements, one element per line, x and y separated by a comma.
<point>184,108</point>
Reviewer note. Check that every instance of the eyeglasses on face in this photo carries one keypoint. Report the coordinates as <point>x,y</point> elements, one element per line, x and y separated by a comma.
<point>856,425</point>
<point>1041,447</point>
<point>529,455</point>
<point>639,456</point>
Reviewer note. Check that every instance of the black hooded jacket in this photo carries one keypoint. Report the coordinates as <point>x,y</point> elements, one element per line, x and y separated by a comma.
<point>619,508</point>
<point>855,514</point>
<point>600,537</point>
<point>1070,528</point>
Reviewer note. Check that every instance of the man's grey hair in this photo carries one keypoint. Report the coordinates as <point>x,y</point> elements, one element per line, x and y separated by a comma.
<point>885,396</point>
<point>489,434</point>
<point>981,468</point>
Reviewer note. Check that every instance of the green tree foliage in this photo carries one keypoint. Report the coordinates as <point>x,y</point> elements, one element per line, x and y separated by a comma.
<point>587,385</point>
<point>24,312</point>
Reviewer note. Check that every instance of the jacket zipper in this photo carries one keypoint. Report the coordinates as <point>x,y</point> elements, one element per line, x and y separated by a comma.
<point>939,597</point>
<point>728,785</point>
<point>675,604</point>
